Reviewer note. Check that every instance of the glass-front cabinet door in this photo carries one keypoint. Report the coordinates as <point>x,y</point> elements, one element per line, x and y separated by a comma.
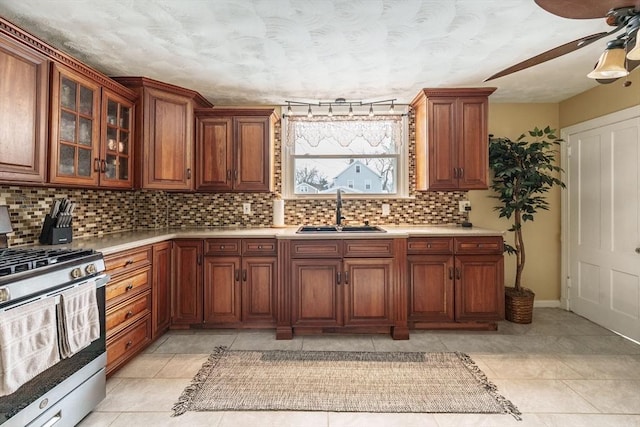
<point>117,137</point>
<point>75,129</point>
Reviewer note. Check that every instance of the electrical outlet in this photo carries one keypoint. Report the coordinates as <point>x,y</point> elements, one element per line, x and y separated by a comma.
<point>464,206</point>
<point>246,208</point>
<point>386,209</point>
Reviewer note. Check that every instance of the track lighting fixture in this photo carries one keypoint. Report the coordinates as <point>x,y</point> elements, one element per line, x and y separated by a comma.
<point>391,109</point>
<point>371,110</point>
<point>350,110</point>
<point>330,113</point>
<point>342,106</point>
<point>289,110</point>
<point>309,112</point>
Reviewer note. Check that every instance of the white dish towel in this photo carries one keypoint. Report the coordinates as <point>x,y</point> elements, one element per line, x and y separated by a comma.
<point>78,319</point>
<point>28,343</point>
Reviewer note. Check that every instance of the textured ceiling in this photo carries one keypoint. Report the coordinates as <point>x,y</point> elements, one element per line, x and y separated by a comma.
<point>267,51</point>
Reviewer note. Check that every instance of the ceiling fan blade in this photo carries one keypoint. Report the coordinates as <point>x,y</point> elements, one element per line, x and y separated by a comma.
<point>631,65</point>
<point>550,54</point>
<point>584,9</point>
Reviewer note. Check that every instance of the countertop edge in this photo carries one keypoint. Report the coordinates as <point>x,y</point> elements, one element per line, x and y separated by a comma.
<point>117,242</point>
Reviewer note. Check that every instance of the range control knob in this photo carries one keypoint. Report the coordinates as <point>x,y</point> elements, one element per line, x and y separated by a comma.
<point>90,269</point>
<point>4,294</point>
<point>76,273</point>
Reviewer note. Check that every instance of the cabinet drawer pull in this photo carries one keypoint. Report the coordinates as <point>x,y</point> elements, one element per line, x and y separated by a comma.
<point>221,247</point>
<point>128,344</point>
<point>129,287</point>
<point>128,314</point>
<point>429,245</point>
<point>259,246</point>
<point>128,262</point>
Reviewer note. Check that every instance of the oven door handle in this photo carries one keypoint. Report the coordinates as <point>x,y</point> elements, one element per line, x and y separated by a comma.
<point>54,420</point>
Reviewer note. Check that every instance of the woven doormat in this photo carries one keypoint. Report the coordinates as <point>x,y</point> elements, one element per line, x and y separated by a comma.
<point>339,381</point>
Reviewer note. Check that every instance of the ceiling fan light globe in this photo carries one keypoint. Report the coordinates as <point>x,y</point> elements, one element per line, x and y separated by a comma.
<point>611,65</point>
<point>634,54</point>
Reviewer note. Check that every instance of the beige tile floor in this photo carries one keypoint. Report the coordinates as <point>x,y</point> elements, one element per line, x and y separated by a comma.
<point>561,370</point>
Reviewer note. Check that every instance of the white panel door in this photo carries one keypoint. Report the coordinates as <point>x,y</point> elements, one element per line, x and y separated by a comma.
<point>604,225</point>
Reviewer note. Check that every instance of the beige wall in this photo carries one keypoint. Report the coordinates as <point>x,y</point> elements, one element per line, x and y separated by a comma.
<point>601,100</point>
<point>542,236</point>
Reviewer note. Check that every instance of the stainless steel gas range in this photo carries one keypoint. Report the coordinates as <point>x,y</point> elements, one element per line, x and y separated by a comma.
<point>67,391</point>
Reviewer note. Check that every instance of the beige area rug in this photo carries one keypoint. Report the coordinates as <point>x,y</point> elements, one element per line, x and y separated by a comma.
<point>338,381</point>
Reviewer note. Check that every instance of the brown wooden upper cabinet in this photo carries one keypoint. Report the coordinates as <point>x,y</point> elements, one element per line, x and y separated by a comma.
<point>164,133</point>
<point>452,138</point>
<point>235,149</point>
<point>91,129</point>
<point>24,93</point>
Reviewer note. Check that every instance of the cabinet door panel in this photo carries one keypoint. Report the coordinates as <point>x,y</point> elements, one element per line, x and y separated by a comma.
<point>315,293</point>
<point>431,288</point>
<point>222,290</point>
<point>161,288</point>
<point>258,289</point>
<point>23,133</point>
<point>442,144</point>
<point>75,129</point>
<point>187,283</point>
<point>215,158</point>
<point>472,143</point>
<point>252,148</point>
<point>367,289</point>
<point>169,141</point>
<point>479,287</point>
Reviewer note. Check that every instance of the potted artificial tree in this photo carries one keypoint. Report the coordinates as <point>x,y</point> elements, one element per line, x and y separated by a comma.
<point>523,172</point>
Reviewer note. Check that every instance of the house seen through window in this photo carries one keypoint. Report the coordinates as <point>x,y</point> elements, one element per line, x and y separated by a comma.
<point>359,155</point>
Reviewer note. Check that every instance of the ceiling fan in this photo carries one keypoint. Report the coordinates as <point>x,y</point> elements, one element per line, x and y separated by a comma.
<point>622,54</point>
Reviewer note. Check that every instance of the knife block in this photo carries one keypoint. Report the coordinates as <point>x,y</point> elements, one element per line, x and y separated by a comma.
<point>52,235</point>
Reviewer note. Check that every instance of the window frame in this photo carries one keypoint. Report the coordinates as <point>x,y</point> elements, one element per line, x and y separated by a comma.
<point>402,165</point>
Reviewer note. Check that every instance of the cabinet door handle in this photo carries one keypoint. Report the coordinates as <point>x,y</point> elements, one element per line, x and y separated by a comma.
<point>128,262</point>
<point>457,273</point>
<point>229,174</point>
<point>96,165</point>
<point>461,173</point>
<point>128,344</point>
<point>103,166</point>
<point>235,174</point>
<point>237,275</point>
<point>455,172</point>
<point>128,314</point>
<point>244,275</point>
<point>346,277</point>
<point>188,173</point>
<point>338,274</point>
<point>129,287</point>
<point>450,273</point>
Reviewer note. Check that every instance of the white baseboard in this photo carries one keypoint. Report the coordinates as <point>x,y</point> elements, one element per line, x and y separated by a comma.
<point>549,303</point>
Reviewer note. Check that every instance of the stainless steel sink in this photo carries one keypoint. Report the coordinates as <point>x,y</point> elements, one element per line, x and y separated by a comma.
<point>313,229</point>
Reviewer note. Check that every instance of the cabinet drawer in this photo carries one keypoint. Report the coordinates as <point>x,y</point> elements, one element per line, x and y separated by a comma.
<point>316,249</point>
<point>368,248</point>
<point>126,286</point>
<point>478,245</point>
<point>259,247</point>
<point>122,262</point>
<point>128,313</point>
<point>222,247</point>
<point>430,245</point>
<point>124,345</point>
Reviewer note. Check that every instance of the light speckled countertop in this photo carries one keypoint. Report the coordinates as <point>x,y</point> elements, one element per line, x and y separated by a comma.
<point>116,242</point>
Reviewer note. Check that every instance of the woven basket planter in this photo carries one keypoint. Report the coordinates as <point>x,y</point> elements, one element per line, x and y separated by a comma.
<point>518,305</point>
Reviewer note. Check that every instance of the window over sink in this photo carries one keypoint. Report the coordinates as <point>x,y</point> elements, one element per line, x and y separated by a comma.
<point>359,154</point>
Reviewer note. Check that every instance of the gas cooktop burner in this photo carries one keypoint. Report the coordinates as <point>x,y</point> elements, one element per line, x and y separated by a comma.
<point>16,260</point>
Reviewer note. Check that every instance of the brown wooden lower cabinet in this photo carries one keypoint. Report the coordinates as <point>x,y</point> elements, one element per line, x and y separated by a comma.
<point>455,282</point>
<point>340,293</point>
<point>234,287</point>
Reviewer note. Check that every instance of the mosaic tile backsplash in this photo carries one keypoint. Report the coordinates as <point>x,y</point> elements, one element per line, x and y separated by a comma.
<point>105,211</point>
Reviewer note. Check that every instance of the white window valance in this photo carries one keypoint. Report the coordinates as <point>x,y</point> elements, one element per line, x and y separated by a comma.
<point>344,130</point>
